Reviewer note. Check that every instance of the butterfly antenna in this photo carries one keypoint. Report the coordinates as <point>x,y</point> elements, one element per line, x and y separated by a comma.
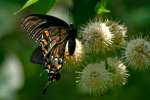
<point>46,87</point>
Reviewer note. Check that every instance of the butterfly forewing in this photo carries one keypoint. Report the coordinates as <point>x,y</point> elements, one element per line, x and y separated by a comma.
<point>35,24</point>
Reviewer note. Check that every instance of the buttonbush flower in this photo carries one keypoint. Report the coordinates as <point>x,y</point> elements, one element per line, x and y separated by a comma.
<point>71,62</point>
<point>119,33</point>
<point>94,79</point>
<point>137,53</point>
<point>96,36</point>
<point>118,70</point>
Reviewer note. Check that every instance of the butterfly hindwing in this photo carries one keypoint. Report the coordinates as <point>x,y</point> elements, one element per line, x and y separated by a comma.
<point>37,56</point>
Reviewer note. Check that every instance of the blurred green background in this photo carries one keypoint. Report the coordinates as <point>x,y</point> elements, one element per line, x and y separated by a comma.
<point>20,79</point>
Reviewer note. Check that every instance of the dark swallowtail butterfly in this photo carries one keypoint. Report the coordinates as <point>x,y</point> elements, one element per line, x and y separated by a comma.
<point>51,34</point>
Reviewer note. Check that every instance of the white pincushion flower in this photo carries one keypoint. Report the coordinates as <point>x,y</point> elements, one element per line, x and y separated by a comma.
<point>76,58</point>
<point>94,79</point>
<point>118,70</point>
<point>96,36</point>
<point>137,53</point>
<point>115,27</point>
<point>119,33</point>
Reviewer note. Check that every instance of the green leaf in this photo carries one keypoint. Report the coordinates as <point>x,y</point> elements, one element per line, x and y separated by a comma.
<point>27,4</point>
<point>102,10</point>
<point>101,7</point>
<point>43,6</point>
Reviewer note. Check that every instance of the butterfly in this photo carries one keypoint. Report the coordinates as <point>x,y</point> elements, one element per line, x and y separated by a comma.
<point>51,34</point>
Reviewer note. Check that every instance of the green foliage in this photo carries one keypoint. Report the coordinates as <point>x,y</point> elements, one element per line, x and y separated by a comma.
<point>101,8</point>
<point>43,6</point>
<point>2,56</point>
<point>27,4</point>
<point>134,14</point>
<point>39,6</point>
<point>82,15</point>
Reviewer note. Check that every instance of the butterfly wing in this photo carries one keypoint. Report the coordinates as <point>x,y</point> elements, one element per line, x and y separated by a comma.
<point>36,24</point>
<point>48,31</point>
<point>37,56</point>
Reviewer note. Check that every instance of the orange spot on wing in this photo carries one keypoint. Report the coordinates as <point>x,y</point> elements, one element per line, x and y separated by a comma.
<point>46,33</point>
<point>49,66</point>
<point>59,67</point>
<point>44,42</point>
<point>45,51</point>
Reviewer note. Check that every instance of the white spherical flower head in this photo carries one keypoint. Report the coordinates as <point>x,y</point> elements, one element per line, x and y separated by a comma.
<point>115,27</point>
<point>118,70</point>
<point>119,33</point>
<point>77,57</point>
<point>138,53</point>
<point>97,35</point>
<point>94,79</point>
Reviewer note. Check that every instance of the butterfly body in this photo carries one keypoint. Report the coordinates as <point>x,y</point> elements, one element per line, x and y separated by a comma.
<point>51,34</point>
